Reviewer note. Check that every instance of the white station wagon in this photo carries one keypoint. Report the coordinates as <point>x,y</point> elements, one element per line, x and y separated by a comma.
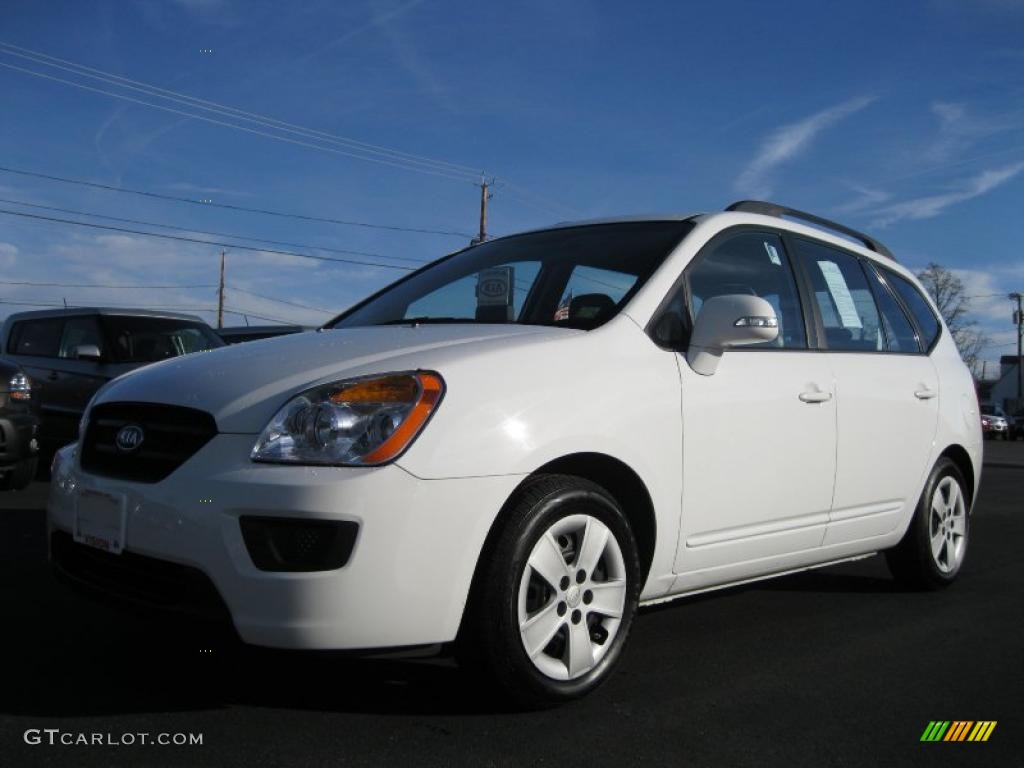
<point>508,451</point>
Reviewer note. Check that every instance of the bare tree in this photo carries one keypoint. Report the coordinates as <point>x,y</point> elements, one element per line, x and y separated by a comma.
<point>948,292</point>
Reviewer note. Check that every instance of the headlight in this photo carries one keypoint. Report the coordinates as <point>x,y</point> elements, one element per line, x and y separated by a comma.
<point>20,387</point>
<point>356,422</point>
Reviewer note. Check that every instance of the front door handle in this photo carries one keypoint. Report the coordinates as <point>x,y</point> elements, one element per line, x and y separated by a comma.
<point>925,394</point>
<point>815,396</point>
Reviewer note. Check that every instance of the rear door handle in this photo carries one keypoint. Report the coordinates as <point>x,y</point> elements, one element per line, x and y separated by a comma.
<point>815,396</point>
<point>925,394</point>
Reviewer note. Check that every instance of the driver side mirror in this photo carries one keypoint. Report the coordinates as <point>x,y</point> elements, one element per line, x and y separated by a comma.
<point>729,321</point>
<point>88,352</point>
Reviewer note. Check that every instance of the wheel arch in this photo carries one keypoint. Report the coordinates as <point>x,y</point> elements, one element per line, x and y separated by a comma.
<point>959,456</point>
<point>616,477</point>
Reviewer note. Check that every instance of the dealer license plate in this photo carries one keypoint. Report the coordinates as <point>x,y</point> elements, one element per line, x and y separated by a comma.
<point>100,520</point>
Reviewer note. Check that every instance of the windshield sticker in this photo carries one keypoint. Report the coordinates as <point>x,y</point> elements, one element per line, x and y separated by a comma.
<point>841,295</point>
<point>773,254</point>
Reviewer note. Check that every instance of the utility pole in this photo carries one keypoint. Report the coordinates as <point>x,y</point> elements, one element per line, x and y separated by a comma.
<point>220,293</point>
<point>1018,318</point>
<point>485,195</point>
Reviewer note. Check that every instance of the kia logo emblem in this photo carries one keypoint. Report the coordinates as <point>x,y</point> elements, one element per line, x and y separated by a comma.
<point>493,288</point>
<point>129,437</point>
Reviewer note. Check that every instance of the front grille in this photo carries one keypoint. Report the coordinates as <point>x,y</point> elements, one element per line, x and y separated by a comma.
<point>171,435</point>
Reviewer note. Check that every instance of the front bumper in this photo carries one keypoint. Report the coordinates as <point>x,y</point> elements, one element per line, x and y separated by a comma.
<point>406,582</point>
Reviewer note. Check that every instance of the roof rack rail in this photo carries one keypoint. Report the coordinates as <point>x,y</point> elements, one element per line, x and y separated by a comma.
<point>774,209</point>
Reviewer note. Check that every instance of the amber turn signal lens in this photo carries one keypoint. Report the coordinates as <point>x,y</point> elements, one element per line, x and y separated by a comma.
<point>390,389</point>
<point>428,391</point>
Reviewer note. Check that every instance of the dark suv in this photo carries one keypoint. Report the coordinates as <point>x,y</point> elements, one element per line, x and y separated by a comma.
<point>18,424</point>
<point>69,354</point>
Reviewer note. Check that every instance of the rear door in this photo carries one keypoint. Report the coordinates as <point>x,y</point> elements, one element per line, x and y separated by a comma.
<point>887,392</point>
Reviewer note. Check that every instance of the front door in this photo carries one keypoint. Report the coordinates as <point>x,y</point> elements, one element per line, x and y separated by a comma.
<point>759,434</point>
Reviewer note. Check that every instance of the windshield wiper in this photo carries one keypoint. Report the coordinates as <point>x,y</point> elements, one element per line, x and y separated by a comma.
<point>426,320</point>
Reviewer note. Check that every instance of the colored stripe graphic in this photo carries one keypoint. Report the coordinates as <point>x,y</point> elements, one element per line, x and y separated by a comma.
<point>982,730</point>
<point>958,730</point>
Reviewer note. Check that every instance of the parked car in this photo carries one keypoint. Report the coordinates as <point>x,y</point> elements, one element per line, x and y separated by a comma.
<point>69,354</point>
<point>238,334</point>
<point>18,425</point>
<point>994,423</point>
<point>506,452</point>
<point>1016,425</point>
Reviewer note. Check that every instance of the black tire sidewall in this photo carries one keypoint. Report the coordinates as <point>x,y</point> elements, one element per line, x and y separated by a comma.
<point>920,527</point>
<point>524,530</point>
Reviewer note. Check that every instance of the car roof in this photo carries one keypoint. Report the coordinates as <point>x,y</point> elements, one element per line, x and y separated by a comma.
<point>39,314</point>
<point>769,214</point>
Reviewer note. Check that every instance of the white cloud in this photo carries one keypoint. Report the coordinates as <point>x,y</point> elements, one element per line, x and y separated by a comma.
<point>8,254</point>
<point>930,206</point>
<point>789,141</point>
<point>959,129</point>
<point>867,197</point>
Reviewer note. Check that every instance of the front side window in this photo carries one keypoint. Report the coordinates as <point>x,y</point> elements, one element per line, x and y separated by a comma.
<point>844,298</point>
<point>146,339</point>
<point>39,338</point>
<point>79,331</point>
<point>576,277</point>
<point>755,264</point>
<point>917,304</point>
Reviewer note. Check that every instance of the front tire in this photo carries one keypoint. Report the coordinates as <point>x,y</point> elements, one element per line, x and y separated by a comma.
<point>556,594</point>
<point>932,551</point>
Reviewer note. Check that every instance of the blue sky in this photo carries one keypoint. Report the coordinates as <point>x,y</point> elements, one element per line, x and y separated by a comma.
<point>905,119</point>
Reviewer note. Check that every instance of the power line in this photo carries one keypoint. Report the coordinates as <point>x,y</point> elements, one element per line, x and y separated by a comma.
<point>207,232</point>
<point>281,301</point>
<point>180,238</point>
<point>38,57</point>
<point>260,317</point>
<point>225,124</point>
<point>227,206</point>
<point>357,149</point>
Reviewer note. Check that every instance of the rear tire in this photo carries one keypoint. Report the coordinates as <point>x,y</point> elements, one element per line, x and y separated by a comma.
<point>932,551</point>
<point>555,596</point>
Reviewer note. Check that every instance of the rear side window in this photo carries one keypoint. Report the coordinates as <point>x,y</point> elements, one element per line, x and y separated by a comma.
<point>36,337</point>
<point>145,339</point>
<point>755,264</point>
<point>844,298</point>
<point>917,304</point>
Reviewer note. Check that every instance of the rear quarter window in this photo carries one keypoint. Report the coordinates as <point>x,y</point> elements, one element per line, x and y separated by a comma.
<point>39,338</point>
<point>918,306</point>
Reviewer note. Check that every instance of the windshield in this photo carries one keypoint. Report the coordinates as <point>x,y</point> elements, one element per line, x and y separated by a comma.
<point>146,339</point>
<point>577,277</point>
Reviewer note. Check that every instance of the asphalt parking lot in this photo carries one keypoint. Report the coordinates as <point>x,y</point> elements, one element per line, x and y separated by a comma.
<point>832,667</point>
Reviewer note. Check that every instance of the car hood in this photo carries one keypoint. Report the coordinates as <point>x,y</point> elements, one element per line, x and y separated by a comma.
<point>243,385</point>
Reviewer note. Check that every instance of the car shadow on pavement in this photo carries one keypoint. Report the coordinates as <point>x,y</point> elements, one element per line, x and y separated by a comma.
<point>128,664</point>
